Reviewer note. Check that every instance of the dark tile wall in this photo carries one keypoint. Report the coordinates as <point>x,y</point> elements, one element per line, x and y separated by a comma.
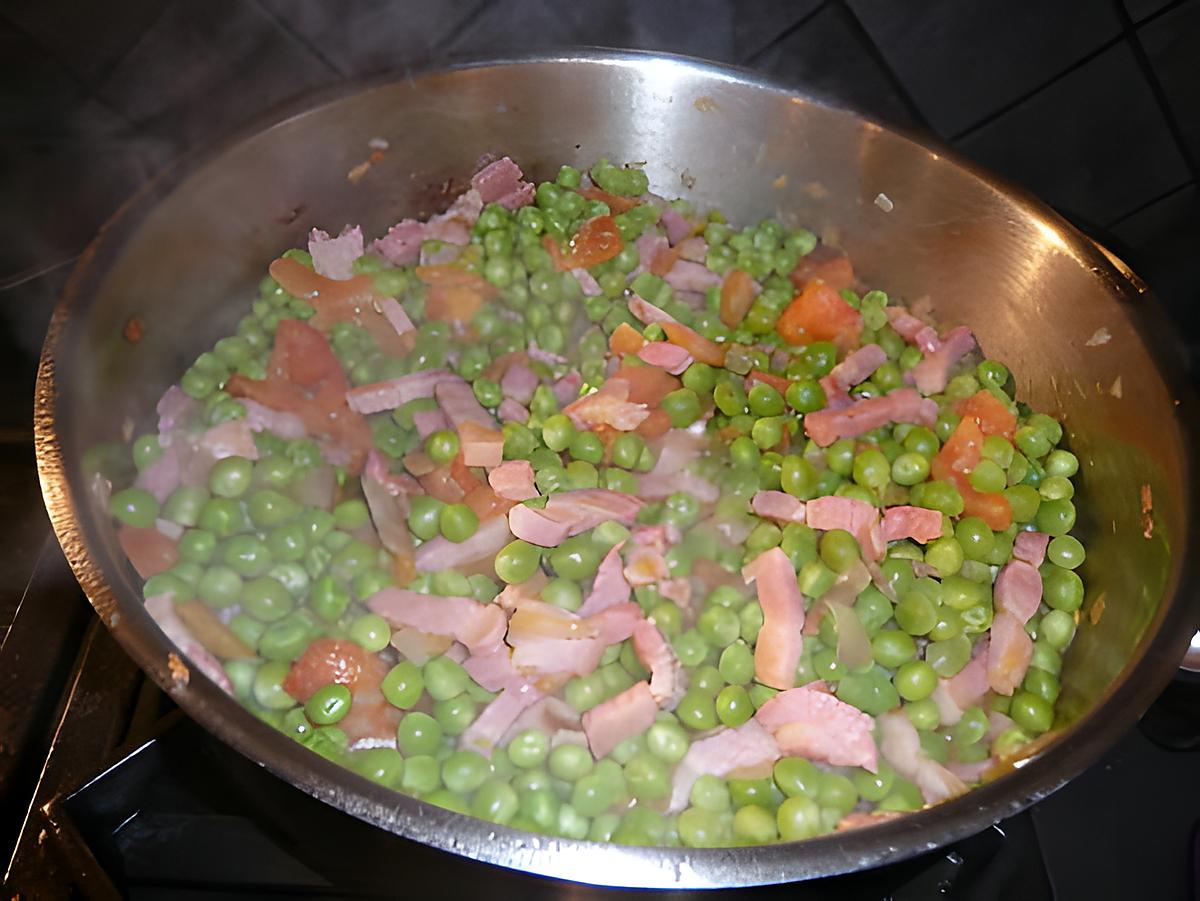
<point>1093,104</point>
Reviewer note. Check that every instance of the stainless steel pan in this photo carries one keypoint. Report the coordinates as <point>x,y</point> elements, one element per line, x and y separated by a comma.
<point>1081,332</point>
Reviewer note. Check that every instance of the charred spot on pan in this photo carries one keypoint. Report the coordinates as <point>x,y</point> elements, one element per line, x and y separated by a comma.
<point>180,674</point>
<point>134,330</point>
<point>291,215</point>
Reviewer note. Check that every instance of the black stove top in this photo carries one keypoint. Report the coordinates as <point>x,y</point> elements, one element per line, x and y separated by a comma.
<point>107,790</point>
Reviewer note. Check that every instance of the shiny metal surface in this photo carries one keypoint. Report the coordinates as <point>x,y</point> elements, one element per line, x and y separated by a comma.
<point>1082,334</point>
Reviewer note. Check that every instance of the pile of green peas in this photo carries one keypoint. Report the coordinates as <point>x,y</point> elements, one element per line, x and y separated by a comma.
<point>281,572</point>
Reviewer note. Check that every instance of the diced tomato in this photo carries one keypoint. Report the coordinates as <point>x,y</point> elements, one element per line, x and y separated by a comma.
<point>959,455</point>
<point>461,473</point>
<point>825,264</point>
<point>597,241</point>
<point>418,463</point>
<point>341,300</point>
<point>500,365</point>
<point>454,294</point>
<point>149,550</point>
<point>961,452</point>
<point>327,660</point>
<point>647,384</point>
<point>615,202</point>
<point>697,345</point>
<point>626,340</point>
<point>556,255</point>
<point>486,503</point>
<point>994,509</point>
<point>439,482</point>
<point>305,378</point>
<point>657,424</point>
<point>737,296</point>
<point>818,313</point>
<point>993,416</point>
<point>778,382</point>
<point>664,261</point>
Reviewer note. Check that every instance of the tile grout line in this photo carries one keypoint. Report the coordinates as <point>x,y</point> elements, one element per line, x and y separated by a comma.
<point>1156,88</point>
<point>1062,73</point>
<point>753,58</point>
<point>79,83</point>
<point>1145,205</point>
<point>889,73</point>
<point>299,38</point>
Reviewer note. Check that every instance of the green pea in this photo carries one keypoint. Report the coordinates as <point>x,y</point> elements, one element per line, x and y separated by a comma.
<point>690,648</point>
<point>219,587</point>
<point>329,598</point>
<point>627,449</point>
<point>916,613</point>
<point>736,664</point>
<point>871,692</point>
<point>1042,683</point>
<point>569,762</point>
<point>285,639</point>
<point>221,516</point>
<point>267,600</point>
<point>710,793</point>
<point>328,704</point>
<point>529,748</point>
<point>682,407</point>
<point>418,733</point>
<point>733,705</point>
<point>765,400</point>
<point>948,657</point>
<point>1056,517</point>
<point>839,550</point>
<point>135,507</point>
<point>798,818</point>
<point>697,710</point>
<point>940,496</point>
<point>422,775</point>
<point>1031,712</point>
<point>455,714</point>
<point>403,685</point>
<point>268,686</point>
<point>586,447</point>
<point>874,787</point>
<point>230,477</point>
<point>718,626</point>
<point>871,469</point>
<point>915,680</point>
<point>893,648</point>
<point>988,477</point>
<point>444,678</point>
<point>909,469</point>
<point>424,516</point>
<point>1065,551</point>
<point>465,771</point>
<point>945,555</point>
<point>647,777</point>
<point>457,522</point>
<point>197,546</point>
<point>247,555</point>
<point>755,825</point>
<point>1031,442</point>
<point>1057,628</point>
<point>184,504</point>
<point>167,583</point>
<point>837,794</point>
<point>557,432</point>
<point>371,631</point>
<point>381,765</point>
<point>667,740</point>
<point>1061,463</point>
<point>517,561</point>
<point>576,558</point>
<point>1062,589</point>
<point>923,714</point>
